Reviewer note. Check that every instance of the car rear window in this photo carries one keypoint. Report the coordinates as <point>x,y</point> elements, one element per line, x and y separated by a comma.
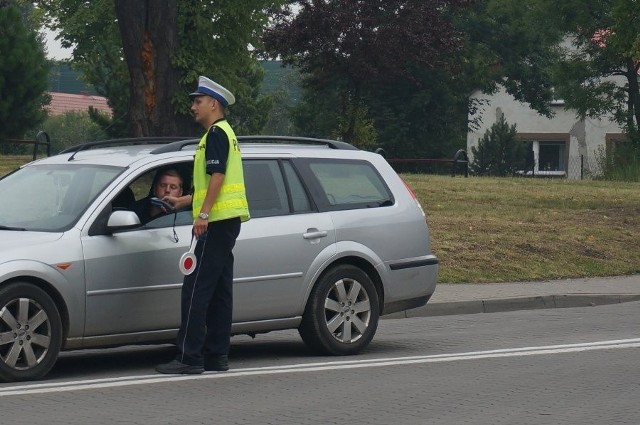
<point>349,184</point>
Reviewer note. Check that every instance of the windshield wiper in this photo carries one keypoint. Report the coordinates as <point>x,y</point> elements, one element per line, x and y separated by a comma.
<point>22,229</point>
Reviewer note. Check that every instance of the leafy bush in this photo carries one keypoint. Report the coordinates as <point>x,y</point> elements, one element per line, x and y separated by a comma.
<point>70,129</point>
<point>621,163</point>
<point>499,153</point>
<point>356,124</point>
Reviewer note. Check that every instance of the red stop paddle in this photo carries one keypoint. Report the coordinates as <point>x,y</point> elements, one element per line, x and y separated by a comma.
<point>188,261</point>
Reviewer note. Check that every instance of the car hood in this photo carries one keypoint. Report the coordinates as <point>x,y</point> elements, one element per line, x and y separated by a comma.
<point>12,242</point>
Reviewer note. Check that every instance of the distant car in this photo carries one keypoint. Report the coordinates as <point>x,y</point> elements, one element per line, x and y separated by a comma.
<point>336,239</point>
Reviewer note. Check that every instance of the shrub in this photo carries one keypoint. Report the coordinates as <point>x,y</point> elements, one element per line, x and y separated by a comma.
<point>70,129</point>
<point>621,163</point>
<point>499,152</point>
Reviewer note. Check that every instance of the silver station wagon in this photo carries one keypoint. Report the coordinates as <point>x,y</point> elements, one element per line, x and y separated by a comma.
<point>336,239</point>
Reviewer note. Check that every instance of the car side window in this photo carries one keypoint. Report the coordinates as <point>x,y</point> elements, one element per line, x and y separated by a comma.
<point>299,197</point>
<point>141,186</point>
<point>349,184</point>
<point>136,197</point>
<point>265,188</point>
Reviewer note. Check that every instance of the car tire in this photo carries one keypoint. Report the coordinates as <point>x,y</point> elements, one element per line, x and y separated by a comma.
<point>30,332</point>
<point>341,316</point>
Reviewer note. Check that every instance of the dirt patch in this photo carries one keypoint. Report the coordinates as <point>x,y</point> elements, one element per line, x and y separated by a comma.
<point>592,253</point>
<point>533,249</point>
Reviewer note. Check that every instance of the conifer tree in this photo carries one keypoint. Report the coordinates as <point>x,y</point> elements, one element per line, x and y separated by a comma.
<point>23,76</point>
<point>499,153</point>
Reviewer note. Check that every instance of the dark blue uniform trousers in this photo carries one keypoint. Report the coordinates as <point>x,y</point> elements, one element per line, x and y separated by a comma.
<point>207,296</point>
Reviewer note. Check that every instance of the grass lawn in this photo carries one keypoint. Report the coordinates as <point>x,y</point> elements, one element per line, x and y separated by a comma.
<point>502,229</point>
<point>11,162</point>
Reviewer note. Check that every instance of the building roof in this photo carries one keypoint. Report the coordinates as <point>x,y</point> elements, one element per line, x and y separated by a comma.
<point>65,102</point>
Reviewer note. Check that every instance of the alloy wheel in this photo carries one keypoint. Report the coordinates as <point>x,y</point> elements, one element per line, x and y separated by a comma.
<point>347,310</point>
<point>25,334</point>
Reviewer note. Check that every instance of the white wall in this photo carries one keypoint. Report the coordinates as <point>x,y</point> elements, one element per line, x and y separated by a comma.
<point>585,137</point>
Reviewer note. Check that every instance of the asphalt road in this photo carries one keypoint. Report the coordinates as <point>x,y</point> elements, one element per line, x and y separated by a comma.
<point>557,366</point>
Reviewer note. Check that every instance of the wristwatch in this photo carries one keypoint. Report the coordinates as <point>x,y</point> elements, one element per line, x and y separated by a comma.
<point>203,216</point>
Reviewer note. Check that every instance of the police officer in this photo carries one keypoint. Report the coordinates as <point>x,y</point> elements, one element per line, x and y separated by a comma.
<point>219,205</point>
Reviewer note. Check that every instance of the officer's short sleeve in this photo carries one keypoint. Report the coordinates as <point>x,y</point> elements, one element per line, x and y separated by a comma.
<point>217,151</point>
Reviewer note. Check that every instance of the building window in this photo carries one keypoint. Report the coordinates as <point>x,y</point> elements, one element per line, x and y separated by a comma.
<point>547,154</point>
<point>551,156</point>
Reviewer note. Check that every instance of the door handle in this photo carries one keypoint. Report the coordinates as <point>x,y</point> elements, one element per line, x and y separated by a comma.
<point>314,234</point>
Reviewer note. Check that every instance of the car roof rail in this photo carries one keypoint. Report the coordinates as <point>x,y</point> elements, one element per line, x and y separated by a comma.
<point>333,144</point>
<point>116,142</point>
<point>176,146</point>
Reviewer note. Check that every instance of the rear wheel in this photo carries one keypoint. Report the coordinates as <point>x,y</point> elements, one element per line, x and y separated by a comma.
<point>341,316</point>
<point>30,332</point>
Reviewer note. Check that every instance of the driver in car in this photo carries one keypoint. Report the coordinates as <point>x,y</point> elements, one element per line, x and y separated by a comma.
<point>166,183</point>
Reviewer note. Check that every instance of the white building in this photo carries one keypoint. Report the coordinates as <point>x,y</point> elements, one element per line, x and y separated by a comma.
<point>563,145</point>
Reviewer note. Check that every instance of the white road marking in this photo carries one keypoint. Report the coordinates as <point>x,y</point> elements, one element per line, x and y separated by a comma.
<point>123,381</point>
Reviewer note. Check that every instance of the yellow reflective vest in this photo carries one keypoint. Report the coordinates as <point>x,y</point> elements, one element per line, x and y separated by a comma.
<point>232,198</point>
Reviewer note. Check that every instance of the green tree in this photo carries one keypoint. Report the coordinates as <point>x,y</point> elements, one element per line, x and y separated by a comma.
<point>283,85</point>
<point>499,153</point>
<point>166,45</point>
<point>576,55</point>
<point>424,121</point>
<point>279,122</point>
<point>605,36</point>
<point>513,44</point>
<point>421,118</point>
<point>318,116</point>
<point>23,75</point>
<point>350,51</point>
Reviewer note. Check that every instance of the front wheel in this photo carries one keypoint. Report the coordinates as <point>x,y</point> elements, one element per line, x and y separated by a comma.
<point>341,316</point>
<point>30,332</point>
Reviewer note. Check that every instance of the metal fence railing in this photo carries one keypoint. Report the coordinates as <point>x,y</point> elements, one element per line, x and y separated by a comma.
<point>42,139</point>
<point>459,164</point>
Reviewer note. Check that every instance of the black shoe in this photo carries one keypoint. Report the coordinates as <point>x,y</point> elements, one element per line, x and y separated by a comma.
<point>216,363</point>
<point>176,367</point>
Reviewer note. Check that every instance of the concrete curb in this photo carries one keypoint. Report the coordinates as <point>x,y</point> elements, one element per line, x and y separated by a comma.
<point>513,304</point>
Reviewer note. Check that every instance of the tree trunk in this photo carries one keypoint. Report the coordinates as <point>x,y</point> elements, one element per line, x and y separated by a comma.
<point>149,36</point>
<point>634,93</point>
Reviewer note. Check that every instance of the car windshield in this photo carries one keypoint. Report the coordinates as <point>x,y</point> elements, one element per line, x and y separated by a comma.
<point>50,198</point>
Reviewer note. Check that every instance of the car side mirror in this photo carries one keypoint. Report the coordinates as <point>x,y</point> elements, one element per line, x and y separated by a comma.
<point>122,220</point>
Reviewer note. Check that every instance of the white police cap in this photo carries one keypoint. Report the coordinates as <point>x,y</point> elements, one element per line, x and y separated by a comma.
<point>215,90</point>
